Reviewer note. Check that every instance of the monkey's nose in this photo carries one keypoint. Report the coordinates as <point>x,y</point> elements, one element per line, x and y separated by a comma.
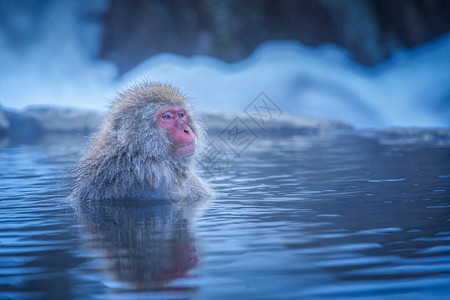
<point>186,130</point>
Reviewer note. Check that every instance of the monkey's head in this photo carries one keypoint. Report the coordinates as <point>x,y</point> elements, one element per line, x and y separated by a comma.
<point>154,120</point>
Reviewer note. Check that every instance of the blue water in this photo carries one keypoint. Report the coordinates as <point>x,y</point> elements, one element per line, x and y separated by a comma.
<point>306,217</point>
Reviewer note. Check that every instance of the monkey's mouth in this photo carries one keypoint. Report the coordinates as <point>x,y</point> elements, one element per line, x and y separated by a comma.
<point>187,149</point>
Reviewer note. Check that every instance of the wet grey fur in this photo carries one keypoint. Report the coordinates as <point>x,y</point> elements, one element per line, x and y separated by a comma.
<point>131,156</point>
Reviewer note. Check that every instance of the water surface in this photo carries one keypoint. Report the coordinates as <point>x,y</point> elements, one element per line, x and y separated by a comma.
<point>305,217</point>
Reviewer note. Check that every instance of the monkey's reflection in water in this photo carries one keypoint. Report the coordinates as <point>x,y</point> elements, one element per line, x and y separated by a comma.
<point>146,244</point>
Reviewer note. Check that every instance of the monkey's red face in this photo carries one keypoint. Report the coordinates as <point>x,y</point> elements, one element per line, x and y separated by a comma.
<point>175,120</point>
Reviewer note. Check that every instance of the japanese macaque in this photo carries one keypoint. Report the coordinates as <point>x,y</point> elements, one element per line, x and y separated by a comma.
<point>146,146</point>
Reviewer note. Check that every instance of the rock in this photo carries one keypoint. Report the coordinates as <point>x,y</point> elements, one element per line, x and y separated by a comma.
<point>54,119</point>
<point>38,120</point>
<point>33,122</point>
<point>407,136</point>
<point>75,120</point>
<point>21,127</point>
<point>4,123</point>
<point>285,124</point>
<point>230,30</point>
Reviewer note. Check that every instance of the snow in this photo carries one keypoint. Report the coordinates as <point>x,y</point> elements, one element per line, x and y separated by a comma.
<point>410,89</point>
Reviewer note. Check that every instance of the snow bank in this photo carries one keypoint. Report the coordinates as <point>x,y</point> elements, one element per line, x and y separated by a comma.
<point>410,89</point>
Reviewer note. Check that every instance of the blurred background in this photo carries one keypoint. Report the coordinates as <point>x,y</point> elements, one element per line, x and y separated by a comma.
<point>368,63</point>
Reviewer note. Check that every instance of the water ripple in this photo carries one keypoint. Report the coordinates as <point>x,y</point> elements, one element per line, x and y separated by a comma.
<point>336,217</point>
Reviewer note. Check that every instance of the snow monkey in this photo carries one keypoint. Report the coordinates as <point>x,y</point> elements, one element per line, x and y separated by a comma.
<point>146,146</point>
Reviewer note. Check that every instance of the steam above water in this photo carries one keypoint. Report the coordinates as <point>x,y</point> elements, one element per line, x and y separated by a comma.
<point>56,65</point>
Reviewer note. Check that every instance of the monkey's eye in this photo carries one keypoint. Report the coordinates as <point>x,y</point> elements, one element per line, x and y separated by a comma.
<point>180,115</point>
<point>167,116</point>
